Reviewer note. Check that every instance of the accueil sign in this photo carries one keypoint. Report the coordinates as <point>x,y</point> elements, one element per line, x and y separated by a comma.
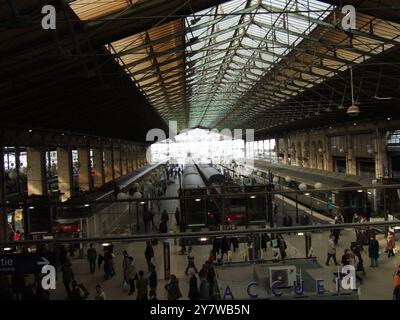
<point>346,282</point>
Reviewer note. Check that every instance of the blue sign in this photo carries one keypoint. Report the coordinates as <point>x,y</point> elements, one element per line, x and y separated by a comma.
<point>25,263</point>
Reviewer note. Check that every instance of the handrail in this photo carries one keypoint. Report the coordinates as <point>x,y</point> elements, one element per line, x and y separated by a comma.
<point>251,232</point>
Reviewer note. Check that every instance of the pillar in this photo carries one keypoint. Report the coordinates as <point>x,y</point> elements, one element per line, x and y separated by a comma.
<point>381,156</point>
<point>277,149</point>
<point>98,167</point>
<point>84,168</point>
<point>108,165</point>
<point>117,161</point>
<point>132,159</point>
<point>64,169</point>
<point>328,154</point>
<point>124,167</point>
<point>351,164</point>
<point>286,151</point>
<point>36,173</point>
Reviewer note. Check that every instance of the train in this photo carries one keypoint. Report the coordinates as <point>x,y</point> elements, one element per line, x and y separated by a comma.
<point>204,184</point>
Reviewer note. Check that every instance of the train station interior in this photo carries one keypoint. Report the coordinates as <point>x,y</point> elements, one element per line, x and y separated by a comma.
<point>200,150</point>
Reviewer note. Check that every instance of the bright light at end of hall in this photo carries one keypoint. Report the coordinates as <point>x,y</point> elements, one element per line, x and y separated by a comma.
<point>197,200</point>
<point>252,197</point>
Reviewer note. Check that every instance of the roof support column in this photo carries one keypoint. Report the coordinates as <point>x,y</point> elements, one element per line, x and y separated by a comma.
<point>98,167</point>
<point>286,150</point>
<point>65,177</point>
<point>277,149</point>
<point>108,165</point>
<point>124,165</point>
<point>84,168</point>
<point>351,165</point>
<point>328,154</point>
<point>117,161</point>
<point>36,173</point>
<point>381,156</point>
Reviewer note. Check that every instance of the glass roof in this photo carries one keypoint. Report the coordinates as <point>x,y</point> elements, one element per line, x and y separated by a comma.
<point>246,64</point>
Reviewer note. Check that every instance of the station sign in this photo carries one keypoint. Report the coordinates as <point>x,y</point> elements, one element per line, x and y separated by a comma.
<point>25,263</point>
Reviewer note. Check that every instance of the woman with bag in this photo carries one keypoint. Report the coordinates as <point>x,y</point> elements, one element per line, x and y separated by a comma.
<point>390,244</point>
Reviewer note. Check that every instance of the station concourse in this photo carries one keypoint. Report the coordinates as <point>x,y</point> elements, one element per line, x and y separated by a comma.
<point>243,149</point>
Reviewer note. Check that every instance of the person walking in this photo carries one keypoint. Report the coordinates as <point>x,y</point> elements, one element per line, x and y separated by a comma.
<point>100,294</point>
<point>193,288</point>
<point>173,290</point>
<point>68,276</point>
<point>92,257</point>
<point>390,244</point>
<point>131,275</point>
<point>373,251</point>
<point>149,254</point>
<point>190,259</point>
<point>331,251</point>
<point>141,286</point>
<point>163,226</point>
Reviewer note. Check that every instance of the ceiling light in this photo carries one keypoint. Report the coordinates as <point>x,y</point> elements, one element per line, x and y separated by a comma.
<point>355,123</point>
<point>388,118</point>
<point>353,110</point>
<point>30,130</point>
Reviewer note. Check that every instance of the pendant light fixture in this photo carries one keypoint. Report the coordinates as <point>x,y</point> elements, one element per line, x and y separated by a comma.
<point>353,110</point>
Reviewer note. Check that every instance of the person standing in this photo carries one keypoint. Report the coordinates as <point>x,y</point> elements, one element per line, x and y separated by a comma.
<point>215,248</point>
<point>153,279</point>
<point>164,216</point>
<point>177,216</point>
<point>305,220</point>
<point>125,266</point>
<point>204,289</point>
<point>68,276</point>
<point>151,220</point>
<point>149,254</point>
<point>193,288</point>
<point>391,244</point>
<point>224,247</point>
<point>373,251</point>
<point>331,251</point>
<point>173,290</point>
<point>141,286</point>
<point>131,275</point>
<point>100,294</point>
<point>146,220</point>
<point>92,256</point>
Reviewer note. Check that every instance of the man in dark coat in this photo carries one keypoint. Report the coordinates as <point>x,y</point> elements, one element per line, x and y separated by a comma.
<point>193,288</point>
<point>149,254</point>
<point>373,251</point>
